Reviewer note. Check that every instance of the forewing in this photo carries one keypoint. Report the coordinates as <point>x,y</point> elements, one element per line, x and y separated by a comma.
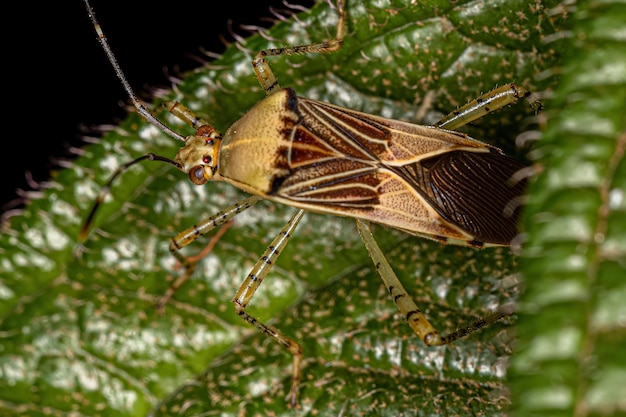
<point>419,179</point>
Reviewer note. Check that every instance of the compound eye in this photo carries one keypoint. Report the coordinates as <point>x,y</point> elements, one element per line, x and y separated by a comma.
<point>196,175</point>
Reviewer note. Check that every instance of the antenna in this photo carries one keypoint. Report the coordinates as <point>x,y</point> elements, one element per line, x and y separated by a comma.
<point>141,109</point>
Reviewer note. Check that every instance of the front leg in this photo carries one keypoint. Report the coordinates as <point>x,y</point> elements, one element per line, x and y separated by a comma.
<point>192,233</point>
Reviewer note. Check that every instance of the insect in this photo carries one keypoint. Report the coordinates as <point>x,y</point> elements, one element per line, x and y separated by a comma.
<point>427,181</point>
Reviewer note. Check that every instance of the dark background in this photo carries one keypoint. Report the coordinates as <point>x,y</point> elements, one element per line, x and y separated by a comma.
<point>59,81</point>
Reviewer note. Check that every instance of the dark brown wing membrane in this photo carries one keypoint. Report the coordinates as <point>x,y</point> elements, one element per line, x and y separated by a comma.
<point>477,192</point>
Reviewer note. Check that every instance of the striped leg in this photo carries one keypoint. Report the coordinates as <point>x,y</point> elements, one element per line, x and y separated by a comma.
<point>194,232</point>
<point>491,101</point>
<point>264,73</point>
<point>251,284</point>
<point>414,316</point>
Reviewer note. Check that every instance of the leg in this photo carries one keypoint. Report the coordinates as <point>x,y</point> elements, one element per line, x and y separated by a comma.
<point>184,113</point>
<point>264,73</point>
<point>249,287</point>
<point>487,103</point>
<point>194,232</point>
<point>413,315</point>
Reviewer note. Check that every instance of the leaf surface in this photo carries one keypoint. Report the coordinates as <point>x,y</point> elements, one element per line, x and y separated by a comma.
<point>79,329</point>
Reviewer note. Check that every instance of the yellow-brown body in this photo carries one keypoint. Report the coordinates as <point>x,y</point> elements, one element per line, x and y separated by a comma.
<point>426,181</point>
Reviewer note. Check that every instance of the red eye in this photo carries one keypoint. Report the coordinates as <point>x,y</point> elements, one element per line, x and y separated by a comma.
<point>196,175</point>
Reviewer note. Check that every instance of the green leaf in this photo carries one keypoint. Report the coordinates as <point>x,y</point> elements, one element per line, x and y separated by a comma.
<point>572,329</point>
<point>79,330</point>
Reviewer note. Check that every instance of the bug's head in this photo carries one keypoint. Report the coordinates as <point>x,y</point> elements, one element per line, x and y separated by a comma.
<point>199,157</point>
